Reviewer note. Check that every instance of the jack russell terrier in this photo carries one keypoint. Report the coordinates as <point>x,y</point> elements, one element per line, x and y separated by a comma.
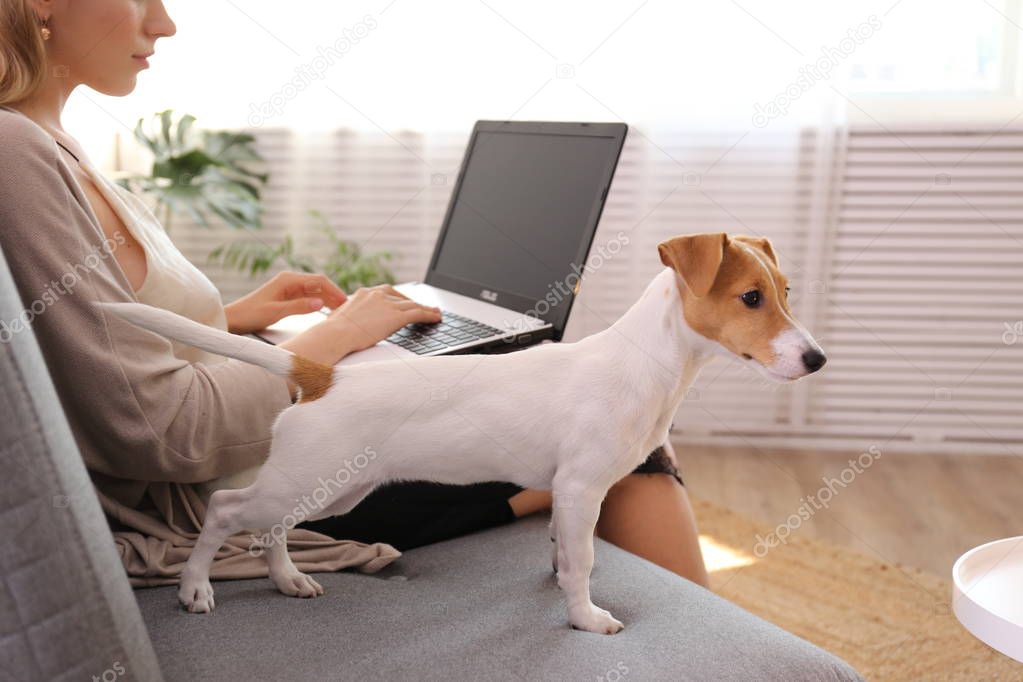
<point>573,418</point>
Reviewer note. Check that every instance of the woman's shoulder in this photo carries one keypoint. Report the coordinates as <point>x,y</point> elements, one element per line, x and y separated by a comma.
<point>23,138</point>
<point>33,184</point>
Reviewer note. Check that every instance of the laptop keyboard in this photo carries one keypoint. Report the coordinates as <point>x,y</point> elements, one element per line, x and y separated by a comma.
<point>453,330</point>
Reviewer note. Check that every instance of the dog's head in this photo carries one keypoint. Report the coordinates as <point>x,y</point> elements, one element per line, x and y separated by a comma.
<point>734,294</point>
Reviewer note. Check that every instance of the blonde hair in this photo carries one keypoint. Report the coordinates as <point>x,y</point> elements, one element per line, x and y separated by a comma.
<point>22,53</point>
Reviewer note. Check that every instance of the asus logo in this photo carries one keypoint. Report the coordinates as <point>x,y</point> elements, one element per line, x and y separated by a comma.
<point>488,295</point>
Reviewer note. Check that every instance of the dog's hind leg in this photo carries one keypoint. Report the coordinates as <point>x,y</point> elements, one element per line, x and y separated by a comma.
<point>229,512</point>
<point>285,575</point>
<point>194,591</point>
<point>577,509</point>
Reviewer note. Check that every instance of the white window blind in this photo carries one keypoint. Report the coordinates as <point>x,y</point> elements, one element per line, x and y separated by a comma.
<point>903,248</point>
<point>924,290</point>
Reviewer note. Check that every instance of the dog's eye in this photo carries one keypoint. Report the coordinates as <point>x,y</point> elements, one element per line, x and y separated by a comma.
<point>751,298</point>
<point>787,290</point>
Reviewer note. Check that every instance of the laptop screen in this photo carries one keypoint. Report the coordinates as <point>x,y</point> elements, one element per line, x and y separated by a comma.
<point>525,211</point>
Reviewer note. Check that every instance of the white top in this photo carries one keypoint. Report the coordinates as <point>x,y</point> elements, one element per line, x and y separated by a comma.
<point>172,282</point>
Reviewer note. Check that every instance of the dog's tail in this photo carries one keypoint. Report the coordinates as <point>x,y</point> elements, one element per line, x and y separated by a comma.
<point>311,377</point>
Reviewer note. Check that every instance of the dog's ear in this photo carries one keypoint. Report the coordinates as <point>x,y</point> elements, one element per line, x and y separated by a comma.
<point>696,257</point>
<point>762,243</point>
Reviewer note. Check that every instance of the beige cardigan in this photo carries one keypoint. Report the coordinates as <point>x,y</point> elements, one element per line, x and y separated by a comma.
<point>149,425</point>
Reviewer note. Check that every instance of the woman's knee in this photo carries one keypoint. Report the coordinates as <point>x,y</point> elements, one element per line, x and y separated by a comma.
<point>650,515</point>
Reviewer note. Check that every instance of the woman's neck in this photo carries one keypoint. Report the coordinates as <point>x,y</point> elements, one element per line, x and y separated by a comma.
<point>42,116</point>
<point>46,105</point>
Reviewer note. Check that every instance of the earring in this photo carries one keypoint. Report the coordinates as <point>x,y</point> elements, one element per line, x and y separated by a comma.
<point>45,30</point>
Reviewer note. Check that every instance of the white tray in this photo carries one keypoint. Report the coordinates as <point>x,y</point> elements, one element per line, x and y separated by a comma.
<point>987,594</point>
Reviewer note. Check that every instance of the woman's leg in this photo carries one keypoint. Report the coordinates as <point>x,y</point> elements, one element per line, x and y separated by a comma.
<point>415,513</point>
<point>650,515</point>
<point>529,501</point>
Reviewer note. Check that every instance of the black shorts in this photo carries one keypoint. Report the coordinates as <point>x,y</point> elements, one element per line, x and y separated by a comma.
<point>416,513</point>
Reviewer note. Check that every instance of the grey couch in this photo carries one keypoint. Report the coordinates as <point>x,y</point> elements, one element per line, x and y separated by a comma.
<point>484,606</point>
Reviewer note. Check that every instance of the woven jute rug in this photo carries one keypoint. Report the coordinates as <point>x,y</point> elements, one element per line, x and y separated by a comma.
<point>889,622</point>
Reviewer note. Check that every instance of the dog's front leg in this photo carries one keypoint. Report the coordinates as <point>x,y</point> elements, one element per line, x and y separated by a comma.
<point>576,517</point>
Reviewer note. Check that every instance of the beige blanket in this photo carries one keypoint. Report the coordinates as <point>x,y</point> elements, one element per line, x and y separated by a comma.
<point>156,543</point>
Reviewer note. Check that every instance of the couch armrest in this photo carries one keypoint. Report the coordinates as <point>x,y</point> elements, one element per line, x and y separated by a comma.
<point>66,608</point>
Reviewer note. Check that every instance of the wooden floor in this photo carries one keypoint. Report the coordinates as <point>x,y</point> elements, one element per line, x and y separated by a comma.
<point>916,510</point>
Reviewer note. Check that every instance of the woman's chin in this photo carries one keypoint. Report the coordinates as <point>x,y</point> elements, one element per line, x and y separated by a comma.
<point>119,88</point>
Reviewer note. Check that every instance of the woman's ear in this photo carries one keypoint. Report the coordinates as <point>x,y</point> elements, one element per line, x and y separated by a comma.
<point>696,258</point>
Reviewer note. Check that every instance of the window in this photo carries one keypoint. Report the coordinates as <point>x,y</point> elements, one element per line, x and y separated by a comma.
<point>966,49</point>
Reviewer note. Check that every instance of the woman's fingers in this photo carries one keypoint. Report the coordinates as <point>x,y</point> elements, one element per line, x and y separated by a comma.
<point>297,284</point>
<point>325,287</point>
<point>388,289</point>
<point>408,304</point>
<point>421,314</point>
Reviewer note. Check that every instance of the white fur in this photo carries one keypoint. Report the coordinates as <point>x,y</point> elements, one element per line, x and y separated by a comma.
<point>790,344</point>
<point>574,418</point>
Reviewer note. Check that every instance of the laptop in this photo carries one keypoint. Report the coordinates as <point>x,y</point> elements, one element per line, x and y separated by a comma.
<point>518,227</point>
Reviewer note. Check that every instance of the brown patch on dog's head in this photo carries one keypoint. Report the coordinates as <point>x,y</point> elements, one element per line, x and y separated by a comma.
<point>311,377</point>
<point>733,293</point>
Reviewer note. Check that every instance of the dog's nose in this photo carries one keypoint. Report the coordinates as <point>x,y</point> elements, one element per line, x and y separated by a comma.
<point>813,360</point>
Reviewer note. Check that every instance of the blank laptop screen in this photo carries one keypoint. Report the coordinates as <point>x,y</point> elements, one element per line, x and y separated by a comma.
<point>523,208</point>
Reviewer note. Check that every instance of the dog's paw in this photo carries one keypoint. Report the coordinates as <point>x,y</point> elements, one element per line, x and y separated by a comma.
<point>592,618</point>
<point>297,584</point>
<point>196,595</point>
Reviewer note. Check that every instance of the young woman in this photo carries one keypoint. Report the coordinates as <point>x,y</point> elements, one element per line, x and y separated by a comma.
<point>155,420</point>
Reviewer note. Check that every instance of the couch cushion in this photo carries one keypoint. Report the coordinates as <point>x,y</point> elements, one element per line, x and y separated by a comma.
<point>66,608</point>
<point>484,606</point>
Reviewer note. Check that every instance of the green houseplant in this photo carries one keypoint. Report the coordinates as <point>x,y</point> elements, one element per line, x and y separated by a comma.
<point>200,172</point>
<point>344,261</point>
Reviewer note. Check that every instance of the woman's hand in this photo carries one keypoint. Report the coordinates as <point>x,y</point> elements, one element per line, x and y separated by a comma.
<point>372,314</point>
<point>368,316</point>
<point>287,293</point>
